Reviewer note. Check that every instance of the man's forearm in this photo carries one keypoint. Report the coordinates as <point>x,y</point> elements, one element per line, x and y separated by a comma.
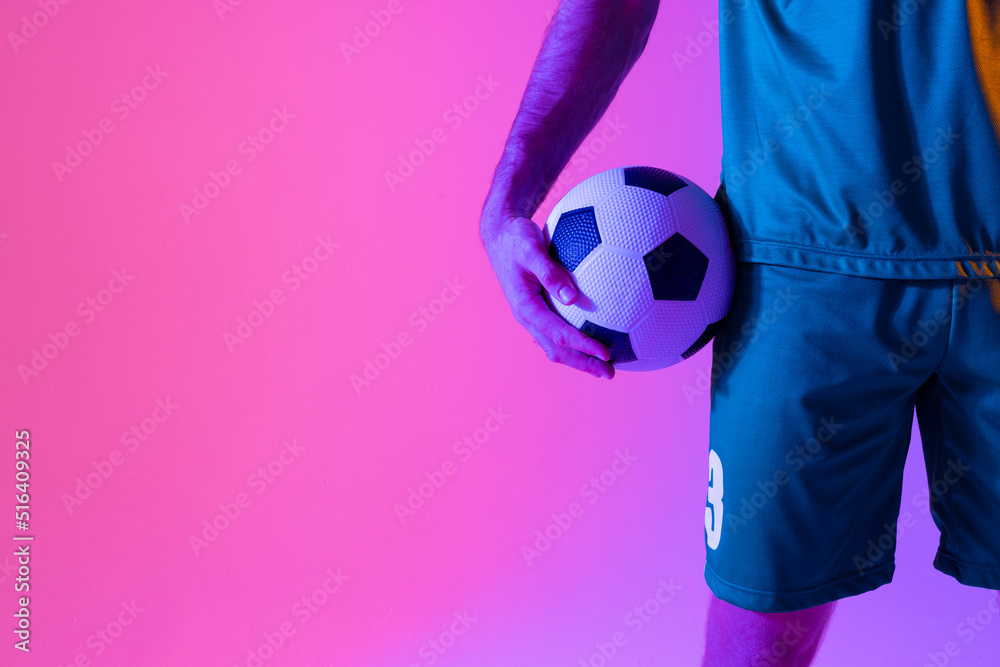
<point>590,46</point>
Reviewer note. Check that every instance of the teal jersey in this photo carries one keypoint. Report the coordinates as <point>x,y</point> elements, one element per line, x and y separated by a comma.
<point>861,137</point>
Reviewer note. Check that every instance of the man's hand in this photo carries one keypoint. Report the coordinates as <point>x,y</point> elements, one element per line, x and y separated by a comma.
<point>588,50</point>
<point>517,251</point>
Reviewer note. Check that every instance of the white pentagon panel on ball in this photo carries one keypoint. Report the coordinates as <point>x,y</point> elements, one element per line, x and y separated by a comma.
<point>572,313</point>
<point>668,330</point>
<point>601,280</point>
<point>617,214</point>
<point>589,192</point>
<point>699,219</point>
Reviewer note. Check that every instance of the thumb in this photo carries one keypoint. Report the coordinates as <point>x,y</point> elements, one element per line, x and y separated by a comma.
<point>555,278</point>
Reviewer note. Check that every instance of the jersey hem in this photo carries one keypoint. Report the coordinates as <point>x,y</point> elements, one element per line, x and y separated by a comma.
<point>867,265</point>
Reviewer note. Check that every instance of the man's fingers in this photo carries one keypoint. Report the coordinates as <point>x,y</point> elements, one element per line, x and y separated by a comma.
<point>538,314</point>
<point>572,358</point>
<point>526,273</point>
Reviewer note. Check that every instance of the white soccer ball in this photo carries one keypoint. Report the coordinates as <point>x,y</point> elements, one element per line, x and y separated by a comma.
<point>651,256</point>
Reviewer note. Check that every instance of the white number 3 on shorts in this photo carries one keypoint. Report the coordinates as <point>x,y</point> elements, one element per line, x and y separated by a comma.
<point>713,514</point>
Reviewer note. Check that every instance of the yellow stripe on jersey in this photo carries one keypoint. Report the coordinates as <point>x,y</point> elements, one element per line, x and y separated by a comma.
<point>984,33</point>
<point>982,269</point>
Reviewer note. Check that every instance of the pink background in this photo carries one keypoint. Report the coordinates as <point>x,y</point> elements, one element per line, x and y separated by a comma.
<point>331,505</point>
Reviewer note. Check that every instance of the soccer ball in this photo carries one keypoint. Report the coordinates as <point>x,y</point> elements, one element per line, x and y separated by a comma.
<point>650,253</point>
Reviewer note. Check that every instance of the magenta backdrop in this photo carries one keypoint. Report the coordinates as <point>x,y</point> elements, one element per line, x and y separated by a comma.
<point>201,247</point>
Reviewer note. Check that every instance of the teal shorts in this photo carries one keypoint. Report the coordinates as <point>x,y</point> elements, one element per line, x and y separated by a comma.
<point>815,380</point>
